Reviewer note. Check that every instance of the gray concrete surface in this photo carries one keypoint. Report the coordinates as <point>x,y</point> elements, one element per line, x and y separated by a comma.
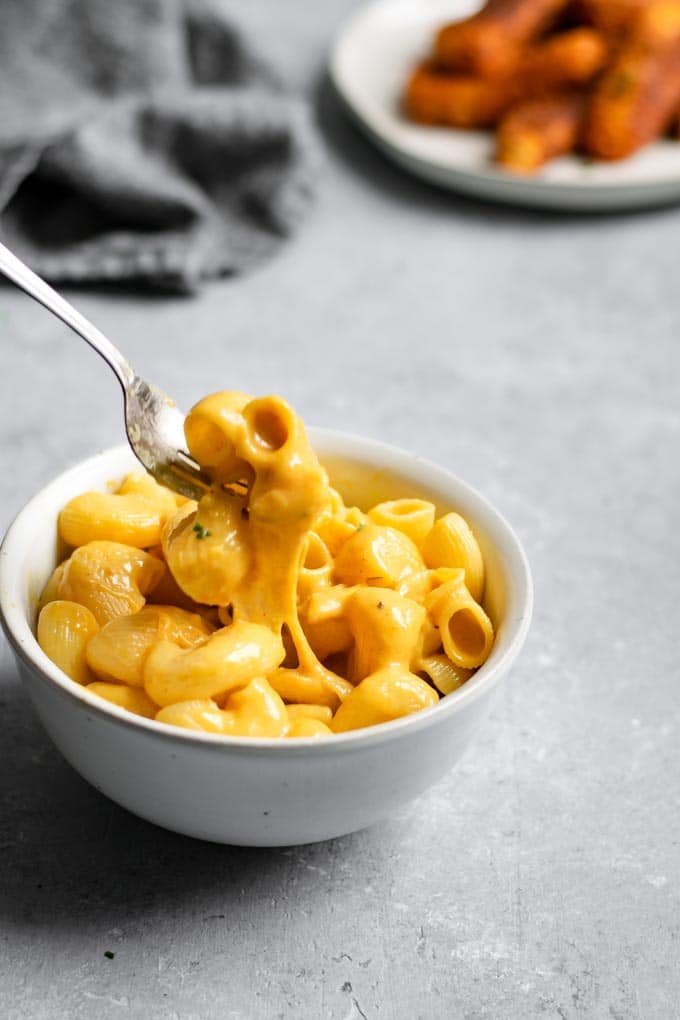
<point>537,356</point>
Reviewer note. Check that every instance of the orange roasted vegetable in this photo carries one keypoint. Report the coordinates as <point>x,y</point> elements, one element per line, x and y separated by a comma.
<point>638,95</point>
<point>538,130</point>
<point>435,96</point>
<point>568,59</point>
<point>488,43</point>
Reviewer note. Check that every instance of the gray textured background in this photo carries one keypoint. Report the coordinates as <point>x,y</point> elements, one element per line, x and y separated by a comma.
<point>537,356</point>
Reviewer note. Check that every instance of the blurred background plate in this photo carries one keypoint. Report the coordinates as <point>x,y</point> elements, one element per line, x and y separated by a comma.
<point>370,62</point>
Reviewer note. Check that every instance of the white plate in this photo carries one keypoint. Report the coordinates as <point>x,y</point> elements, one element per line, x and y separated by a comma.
<point>369,65</point>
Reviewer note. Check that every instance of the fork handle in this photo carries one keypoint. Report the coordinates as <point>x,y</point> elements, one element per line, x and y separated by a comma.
<point>19,273</point>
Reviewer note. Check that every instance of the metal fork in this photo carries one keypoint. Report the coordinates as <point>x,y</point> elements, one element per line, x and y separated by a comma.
<point>154,425</point>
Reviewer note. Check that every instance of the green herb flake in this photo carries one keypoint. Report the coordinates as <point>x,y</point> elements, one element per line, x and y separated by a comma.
<point>360,527</point>
<point>201,532</point>
<point>109,955</point>
<point>620,84</point>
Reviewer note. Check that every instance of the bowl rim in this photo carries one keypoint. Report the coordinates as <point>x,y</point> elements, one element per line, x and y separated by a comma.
<point>336,443</point>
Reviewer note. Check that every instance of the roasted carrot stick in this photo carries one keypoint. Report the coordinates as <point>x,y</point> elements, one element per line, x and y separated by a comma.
<point>435,96</point>
<point>570,58</point>
<point>538,130</point>
<point>637,96</point>
<point>487,43</point>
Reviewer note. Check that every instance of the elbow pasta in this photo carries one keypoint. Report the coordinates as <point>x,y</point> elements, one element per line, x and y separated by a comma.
<point>269,608</point>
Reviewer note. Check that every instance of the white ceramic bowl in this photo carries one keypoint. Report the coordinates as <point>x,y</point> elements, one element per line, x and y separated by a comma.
<point>253,791</point>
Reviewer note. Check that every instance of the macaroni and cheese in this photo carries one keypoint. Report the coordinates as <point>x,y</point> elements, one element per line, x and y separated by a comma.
<point>269,608</point>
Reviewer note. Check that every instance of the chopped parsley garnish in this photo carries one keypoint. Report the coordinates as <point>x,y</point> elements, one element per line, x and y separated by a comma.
<point>621,83</point>
<point>109,955</point>
<point>201,532</point>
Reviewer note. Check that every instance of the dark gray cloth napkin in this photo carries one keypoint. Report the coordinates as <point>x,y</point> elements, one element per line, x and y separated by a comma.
<point>141,140</point>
